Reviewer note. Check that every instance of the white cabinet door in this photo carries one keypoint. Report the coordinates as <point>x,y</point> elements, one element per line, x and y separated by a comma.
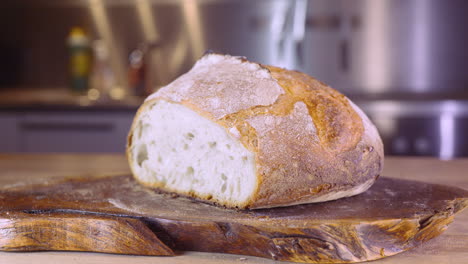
<point>9,135</point>
<point>75,131</point>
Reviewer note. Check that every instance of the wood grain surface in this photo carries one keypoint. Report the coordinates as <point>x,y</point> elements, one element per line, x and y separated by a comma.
<point>17,180</point>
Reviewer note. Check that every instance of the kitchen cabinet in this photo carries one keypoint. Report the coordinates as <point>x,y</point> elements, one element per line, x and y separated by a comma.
<point>65,131</point>
<point>9,139</point>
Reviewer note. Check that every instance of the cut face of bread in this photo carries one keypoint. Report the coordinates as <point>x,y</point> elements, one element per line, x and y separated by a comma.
<point>177,149</point>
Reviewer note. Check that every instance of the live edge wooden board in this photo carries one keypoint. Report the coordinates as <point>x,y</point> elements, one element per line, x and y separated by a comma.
<point>117,215</point>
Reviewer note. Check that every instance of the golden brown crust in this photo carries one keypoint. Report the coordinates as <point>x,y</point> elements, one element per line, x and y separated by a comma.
<point>299,164</point>
<point>339,127</point>
<point>308,139</point>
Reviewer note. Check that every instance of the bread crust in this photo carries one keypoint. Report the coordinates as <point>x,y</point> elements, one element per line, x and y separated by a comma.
<point>311,143</point>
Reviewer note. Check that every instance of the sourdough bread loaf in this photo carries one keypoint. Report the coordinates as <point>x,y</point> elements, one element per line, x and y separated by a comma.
<point>245,135</point>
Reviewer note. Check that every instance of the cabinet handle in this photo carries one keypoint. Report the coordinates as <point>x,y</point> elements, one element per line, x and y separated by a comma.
<point>68,126</point>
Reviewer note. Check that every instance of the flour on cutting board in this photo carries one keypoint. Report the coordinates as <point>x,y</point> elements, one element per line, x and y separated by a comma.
<point>123,206</point>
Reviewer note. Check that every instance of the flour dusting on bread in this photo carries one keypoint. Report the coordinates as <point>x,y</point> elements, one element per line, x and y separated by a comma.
<point>216,79</point>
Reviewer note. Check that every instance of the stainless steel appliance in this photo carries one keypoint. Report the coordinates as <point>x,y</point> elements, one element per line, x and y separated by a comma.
<point>421,128</point>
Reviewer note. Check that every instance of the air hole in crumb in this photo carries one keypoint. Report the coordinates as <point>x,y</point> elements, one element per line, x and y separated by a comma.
<point>244,158</point>
<point>139,129</point>
<point>212,144</point>
<point>223,188</point>
<point>223,176</point>
<point>159,159</point>
<point>189,136</point>
<point>185,146</point>
<point>228,146</point>
<point>144,128</point>
<point>231,157</point>
<point>142,154</point>
<point>190,170</point>
<point>152,106</point>
<point>173,149</point>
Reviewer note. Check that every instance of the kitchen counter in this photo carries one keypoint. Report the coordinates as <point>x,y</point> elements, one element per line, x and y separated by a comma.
<point>60,99</point>
<point>450,247</point>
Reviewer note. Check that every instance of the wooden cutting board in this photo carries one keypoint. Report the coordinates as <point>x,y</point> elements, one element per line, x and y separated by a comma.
<point>117,215</point>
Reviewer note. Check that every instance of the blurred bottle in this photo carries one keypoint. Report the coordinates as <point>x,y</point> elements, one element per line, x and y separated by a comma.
<point>102,76</point>
<point>80,60</point>
<point>139,77</point>
<point>137,71</point>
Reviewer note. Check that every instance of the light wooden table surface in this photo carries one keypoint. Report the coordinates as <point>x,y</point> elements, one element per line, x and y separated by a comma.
<point>451,247</point>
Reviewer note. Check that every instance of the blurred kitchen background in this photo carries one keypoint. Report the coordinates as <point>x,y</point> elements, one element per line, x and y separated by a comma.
<point>73,72</point>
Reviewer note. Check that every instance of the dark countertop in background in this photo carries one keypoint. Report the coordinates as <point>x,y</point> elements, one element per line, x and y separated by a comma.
<point>60,99</point>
